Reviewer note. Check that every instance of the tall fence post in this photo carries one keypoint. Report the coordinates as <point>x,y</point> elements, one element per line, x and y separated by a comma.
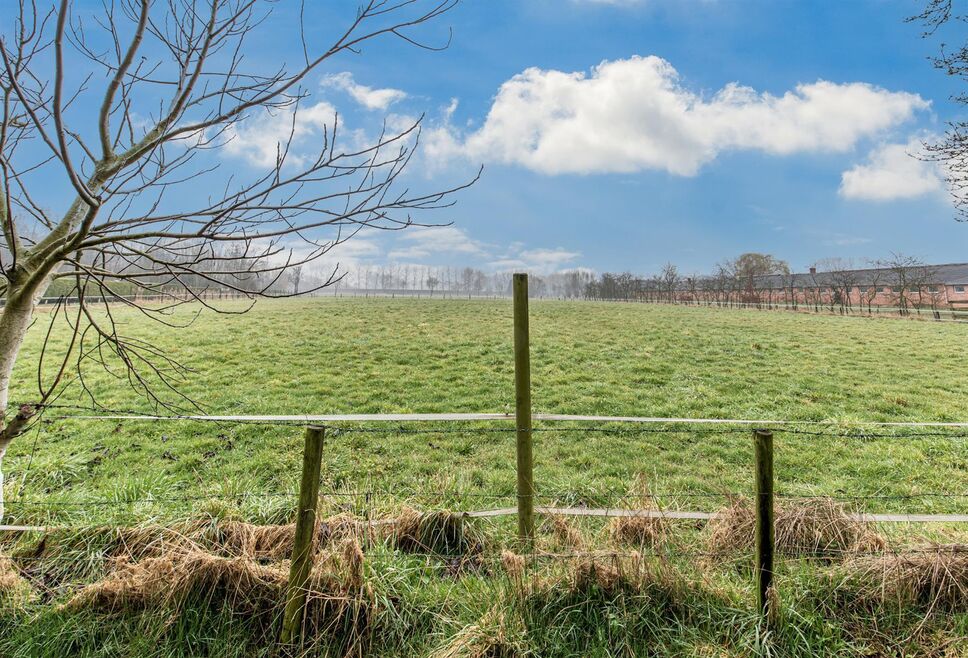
<point>765,538</point>
<point>303,544</point>
<point>522,410</point>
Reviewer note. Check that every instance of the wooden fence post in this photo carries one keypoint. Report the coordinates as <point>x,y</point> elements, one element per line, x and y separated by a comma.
<point>522,410</point>
<point>765,539</point>
<point>303,544</point>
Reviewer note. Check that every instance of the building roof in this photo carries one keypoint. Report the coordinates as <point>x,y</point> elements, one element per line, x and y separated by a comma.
<point>947,274</point>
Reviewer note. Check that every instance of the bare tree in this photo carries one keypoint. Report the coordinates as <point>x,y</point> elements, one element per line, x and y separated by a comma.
<point>875,277</point>
<point>295,277</point>
<point>670,281</point>
<point>951,151</point>
<point>789,282</point>
<point>843,277</point>
<point>174,84</point>
<point>906,273</point>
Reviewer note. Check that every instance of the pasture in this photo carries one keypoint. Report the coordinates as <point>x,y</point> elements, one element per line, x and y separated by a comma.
<point>325,355</point>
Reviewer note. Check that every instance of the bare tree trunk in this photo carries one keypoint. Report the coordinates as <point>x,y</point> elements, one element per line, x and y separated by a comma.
<point>15,319</point>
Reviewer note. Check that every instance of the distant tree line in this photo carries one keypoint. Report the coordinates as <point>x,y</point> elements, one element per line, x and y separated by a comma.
<point>449,281</point>
<point>762,280</point>
<point>834,284</point>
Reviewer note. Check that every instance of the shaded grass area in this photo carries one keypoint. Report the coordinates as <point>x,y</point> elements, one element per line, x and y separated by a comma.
<point>203,594</point>
<point>369,356</point>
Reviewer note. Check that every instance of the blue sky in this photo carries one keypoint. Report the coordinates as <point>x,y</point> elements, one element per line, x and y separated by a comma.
<point>621,134</point>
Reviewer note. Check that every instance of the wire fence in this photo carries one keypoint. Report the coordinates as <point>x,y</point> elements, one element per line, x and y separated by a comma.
<point>601,500</point>
<point>630,532</point>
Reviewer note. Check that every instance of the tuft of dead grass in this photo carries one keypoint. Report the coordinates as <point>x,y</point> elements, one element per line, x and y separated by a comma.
<point>440,532</point>
<point>227,538</point>
<point>513,565</point>
<point>494,636</point>
<point>14,589</point>
<point>169,580</point>
<point>565,533</point>
<point>275,542</point>
<point>934,578</point>
<point>818,527</point>
<point>642,531</point>
<point>341,606</point>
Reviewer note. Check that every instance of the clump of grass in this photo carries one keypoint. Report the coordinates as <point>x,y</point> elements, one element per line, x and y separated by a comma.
<point>593,576</point>
<point>565,533</point>
<point>933,578</point>
<point>643,531</point>
<point>514,565</point>
<point>496,635</point>
<point>14,590</point>
<point>274,541</point>
<point>439,532</point>
<point>567,607</point>
<point>818,527</point>
<point>171,579</point>
<point>340,604</point>
<point>148,540</point>
<point>268,542</point>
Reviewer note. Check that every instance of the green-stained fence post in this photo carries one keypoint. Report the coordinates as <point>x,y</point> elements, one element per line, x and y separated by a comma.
<point>303,548</point>
<point>522,410</point>
<point>765,530</point>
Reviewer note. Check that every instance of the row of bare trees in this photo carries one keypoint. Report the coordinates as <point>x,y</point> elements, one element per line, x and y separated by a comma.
<point>449,281</point>
<point>903,283</point>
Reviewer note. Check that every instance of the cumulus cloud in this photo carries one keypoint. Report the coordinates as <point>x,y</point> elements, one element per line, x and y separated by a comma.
<point>542,261</point>
<point>421,242</point>
<point>260,138</point>
<point>634,114</point>
<point>892,171</point>
<point>443,243</point>
<point>368,97</point>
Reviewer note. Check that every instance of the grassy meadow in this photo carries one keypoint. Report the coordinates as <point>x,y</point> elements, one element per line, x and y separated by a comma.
<point>326,355</point>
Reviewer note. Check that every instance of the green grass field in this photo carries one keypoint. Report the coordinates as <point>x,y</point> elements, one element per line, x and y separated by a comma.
<point>381,355</point>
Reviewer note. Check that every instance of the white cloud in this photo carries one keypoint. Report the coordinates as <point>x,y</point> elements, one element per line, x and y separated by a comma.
<point>350,254</point>
<point>372,99</point>
<point>421,242</point>
<point>634,114</point>
<point>541,261</point>
<point>892,171</point>
<point>435,244</point>
<point>260,138</point>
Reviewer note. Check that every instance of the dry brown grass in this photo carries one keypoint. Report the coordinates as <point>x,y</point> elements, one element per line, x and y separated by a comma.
<point>14,589</point>
<point>610,574</point>
<point>169,580</point>
<point>227,538</point>
<point>566,534</point>
<point>338,598</point>
<point>642,531</point>
<point>273,542</point>
<point>496,635</point>
<point>933,577</point>
<point>817,527</point>
<point>440,532</point>
<point>514,566</point>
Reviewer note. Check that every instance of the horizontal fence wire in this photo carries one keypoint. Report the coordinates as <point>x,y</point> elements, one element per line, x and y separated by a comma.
<point>661,504</point>
<point>743,424</point>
